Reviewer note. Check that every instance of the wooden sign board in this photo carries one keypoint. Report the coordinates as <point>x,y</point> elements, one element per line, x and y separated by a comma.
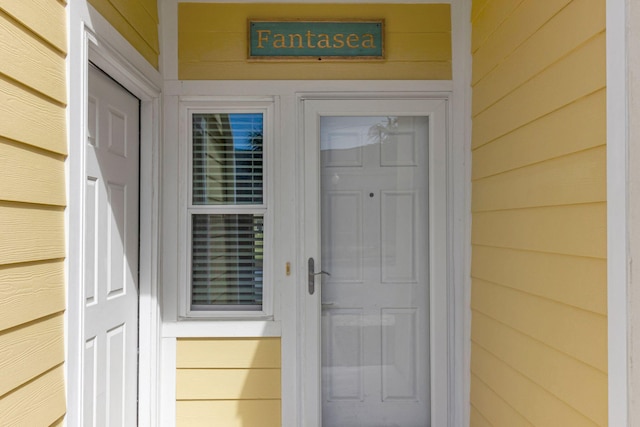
<point>316,40</point>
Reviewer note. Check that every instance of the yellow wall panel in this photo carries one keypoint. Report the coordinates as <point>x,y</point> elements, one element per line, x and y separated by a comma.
<point>59,422</point>
<point>41,402</point>
<point>230,384</point>
<point>31,119</point>
<point>578,333</point>
<point>134,23</point>
<point>212,42</point>
<point>477,6</point>
<point>571,280</point>
<point>30,291</point>
<point>30,175</point>
<point>27,351</point>
<point>536,404</point>
<point>228,353</point>
<point>47,18</point>
<point>578,126</point>
<point>572,179</point>
<point>228,413</point>
<point>542,92</point>
<point>579,21</point>
<point>30,234</point>
<point>273,71</point>
<point>25,58</point>
<point>33,144</point>
<point>572,230</point>
<point>497,412</point>
<point>581,386</point>
<point>488,17</point>
<point>140,19</point>
<point>522,23</point>
<point>229,17</point>
<point>228,381</point>
<point>476,419</point>
<point>151,6</point>
<point>539,290</point>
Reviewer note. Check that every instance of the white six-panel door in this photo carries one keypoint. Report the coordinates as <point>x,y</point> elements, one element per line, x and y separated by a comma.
<point>375,302</point>
<point>375,341</point>
<point>110,309</point>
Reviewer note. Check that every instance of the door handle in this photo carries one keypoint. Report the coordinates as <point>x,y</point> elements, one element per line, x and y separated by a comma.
<point>311,275</point>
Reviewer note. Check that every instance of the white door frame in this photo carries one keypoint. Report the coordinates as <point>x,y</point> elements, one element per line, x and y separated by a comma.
<point>441,219</point>
<point>92,38</point>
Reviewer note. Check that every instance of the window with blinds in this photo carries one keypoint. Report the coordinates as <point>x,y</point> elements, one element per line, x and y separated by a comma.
<point>227,211</point>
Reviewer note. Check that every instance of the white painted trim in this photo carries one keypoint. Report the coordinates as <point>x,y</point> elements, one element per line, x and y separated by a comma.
<point>197,328</point>
<point>206,104</point>
<point>460,181</point>
<point>167,409</point>
<point>92,38</point>
<point>618,256</point>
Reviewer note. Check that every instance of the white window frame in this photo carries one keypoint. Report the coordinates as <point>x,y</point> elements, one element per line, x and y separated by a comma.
<point>197,105</point>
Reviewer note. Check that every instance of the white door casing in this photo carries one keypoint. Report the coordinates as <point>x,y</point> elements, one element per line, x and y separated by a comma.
<point>437,346</point>
<point>110,283</point>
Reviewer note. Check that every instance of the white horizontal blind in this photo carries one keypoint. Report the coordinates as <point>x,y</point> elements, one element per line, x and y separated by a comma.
<point>227,261</point>
<point>227,244</point>
<point>227,159</point>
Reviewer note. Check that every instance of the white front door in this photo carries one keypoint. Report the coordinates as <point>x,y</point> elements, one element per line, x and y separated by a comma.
<point>375,333</point>
<point>110,313</point>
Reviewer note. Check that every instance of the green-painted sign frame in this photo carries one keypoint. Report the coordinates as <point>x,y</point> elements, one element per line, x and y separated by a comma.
<point>301,40</point>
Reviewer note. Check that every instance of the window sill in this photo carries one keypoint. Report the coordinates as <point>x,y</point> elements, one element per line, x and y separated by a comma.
<point>199,328</point>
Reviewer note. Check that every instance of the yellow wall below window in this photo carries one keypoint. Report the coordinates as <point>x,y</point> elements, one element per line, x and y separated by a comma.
<point>539,289</point>
<point>212,42</point>
<point>231,382</point>
<point>137,21</point>
<point>33,144</point>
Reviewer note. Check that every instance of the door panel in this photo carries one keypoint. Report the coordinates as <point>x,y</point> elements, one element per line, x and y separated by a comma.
<point>374,343</point>
<point>111,255</point>
<point>374,230</point>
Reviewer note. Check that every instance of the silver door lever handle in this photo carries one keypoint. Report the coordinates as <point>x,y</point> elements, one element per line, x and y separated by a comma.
<point>322,272</point>
<point>311,275</point>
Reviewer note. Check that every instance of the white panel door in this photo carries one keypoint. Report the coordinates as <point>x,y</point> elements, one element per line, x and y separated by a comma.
<point>110,358</point>
<point>375,317</point>
<point>374,337</point>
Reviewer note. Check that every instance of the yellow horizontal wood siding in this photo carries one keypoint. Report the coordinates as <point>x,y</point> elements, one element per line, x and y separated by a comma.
<point>539,291</point>
<point>137,21</point>
<point>231,382</point>
<point>36,402</point>
<point>212,42</point>
<point>33,146</point>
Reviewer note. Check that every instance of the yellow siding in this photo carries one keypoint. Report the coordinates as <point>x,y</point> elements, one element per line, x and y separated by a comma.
<point>39,286</point>
<point>31,60</point>
<point>228,413</point>
<point>137,21</point>
<point>230,382</point>
<point>46,18</point>
<point>212,42</point>
<point>20,164</point>
<point>27,351</point>
<point>37,403</point>
<point>539,328</point>
<point>32,201</point>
